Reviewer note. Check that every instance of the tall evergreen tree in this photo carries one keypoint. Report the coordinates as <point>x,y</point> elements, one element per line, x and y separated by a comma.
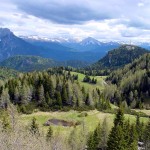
<point>104,135</point>
<point>49,133</point>
<point>64,95</point>
<point>116,139</point>
<point>34,129</point>
<point>147,136</point>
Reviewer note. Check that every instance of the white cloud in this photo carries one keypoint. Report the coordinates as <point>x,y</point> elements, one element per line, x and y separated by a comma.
<point>104,20</point>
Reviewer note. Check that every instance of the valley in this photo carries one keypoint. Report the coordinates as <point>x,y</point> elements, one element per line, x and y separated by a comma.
<point>73,95</point>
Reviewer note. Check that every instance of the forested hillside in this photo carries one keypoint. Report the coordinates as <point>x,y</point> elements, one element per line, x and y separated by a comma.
<point>133,82</point>
<point>36,63</point>
<point>28,63</point>
<point>119,57</point>
<point>48,90</point>
<point>6,73</point>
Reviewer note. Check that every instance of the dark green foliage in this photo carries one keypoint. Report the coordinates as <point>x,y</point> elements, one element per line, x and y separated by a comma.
<point>139,128</point>
<point>49,133</point>
<point>89,80</point>
<point>93,142</point>
<point>147,136</point>
<point>119,57</point>
<point>28,63</point>
<point>48,90</point>
<point>6,73</point>
<point>133,82</point>
<point>116,139</point>
<point>119,120</point>
<point>34,129</point>
<point>123,136</point>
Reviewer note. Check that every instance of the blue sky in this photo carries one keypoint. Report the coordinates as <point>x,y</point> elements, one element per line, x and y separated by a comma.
<point>122,20</point>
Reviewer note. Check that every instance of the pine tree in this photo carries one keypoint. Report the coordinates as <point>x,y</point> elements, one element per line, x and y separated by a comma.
<point>4,98</point>
<point>48,99</point>
<point>119,120</point>
<point>104,135</point>
<point>24,95</point>
<point>58,99</point>
<point>147,136</point>
<point>97,136</point>
<point>16,96</point>
<point>116,139</point>
<point>94,140</point>
<point>49,134</point>
<point>91,142</point>
<point>64,95</point>
<point>139,128</point>
<point>34,129</point>
<point>72,140</point>
<point>41,96</point>
<point>133,139</point>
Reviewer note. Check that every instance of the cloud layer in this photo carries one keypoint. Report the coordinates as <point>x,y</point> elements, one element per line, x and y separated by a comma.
<point>104,20</point>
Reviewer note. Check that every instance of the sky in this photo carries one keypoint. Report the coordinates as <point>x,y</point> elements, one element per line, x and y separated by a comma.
<point>105,20</point>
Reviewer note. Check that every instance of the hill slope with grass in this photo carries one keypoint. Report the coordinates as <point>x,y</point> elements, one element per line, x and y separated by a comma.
<point>89,86</point>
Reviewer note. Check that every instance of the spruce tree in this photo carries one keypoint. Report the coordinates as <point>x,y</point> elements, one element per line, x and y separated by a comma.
<point>133,139</point>
<point>41,96</point>
<point>91,142</point>
<point>58,99</point>
<point>49,134</point>
<point>119,119</point>
<point>147,136</point>
<point>34,129</point>
<point>104,135</point>
<point>64,95</point>
<point>116,139</point>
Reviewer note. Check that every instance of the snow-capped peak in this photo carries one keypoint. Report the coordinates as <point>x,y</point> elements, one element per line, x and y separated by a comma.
<point>46,39</point>
<point>90,41</point>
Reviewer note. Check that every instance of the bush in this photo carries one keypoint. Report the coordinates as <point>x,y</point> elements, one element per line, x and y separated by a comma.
<point>84,114</point>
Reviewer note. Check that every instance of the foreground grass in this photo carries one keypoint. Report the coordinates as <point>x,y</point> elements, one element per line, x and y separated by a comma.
<point>100,81</point>
<point>90,122</point>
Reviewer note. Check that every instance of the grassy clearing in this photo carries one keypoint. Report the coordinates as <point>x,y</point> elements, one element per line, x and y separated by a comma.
<point>100,81</point>
<point>144,111</point>
<point>90,122</point>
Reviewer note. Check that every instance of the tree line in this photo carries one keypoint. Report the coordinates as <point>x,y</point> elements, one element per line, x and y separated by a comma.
<point>132,83</point>
<point>49,90</point>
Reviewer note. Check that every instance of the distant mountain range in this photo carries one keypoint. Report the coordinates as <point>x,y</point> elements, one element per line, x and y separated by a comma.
<point>28,63</point>
<point>89,50</point>
<point>120,56</point>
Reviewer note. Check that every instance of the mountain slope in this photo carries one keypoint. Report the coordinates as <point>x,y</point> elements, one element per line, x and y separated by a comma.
<point>133,81</point>
<point>28,63</point>
<point>11,45</point>
<point>92,45</point>
<point>6,73</point>
<point>119,57</point>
